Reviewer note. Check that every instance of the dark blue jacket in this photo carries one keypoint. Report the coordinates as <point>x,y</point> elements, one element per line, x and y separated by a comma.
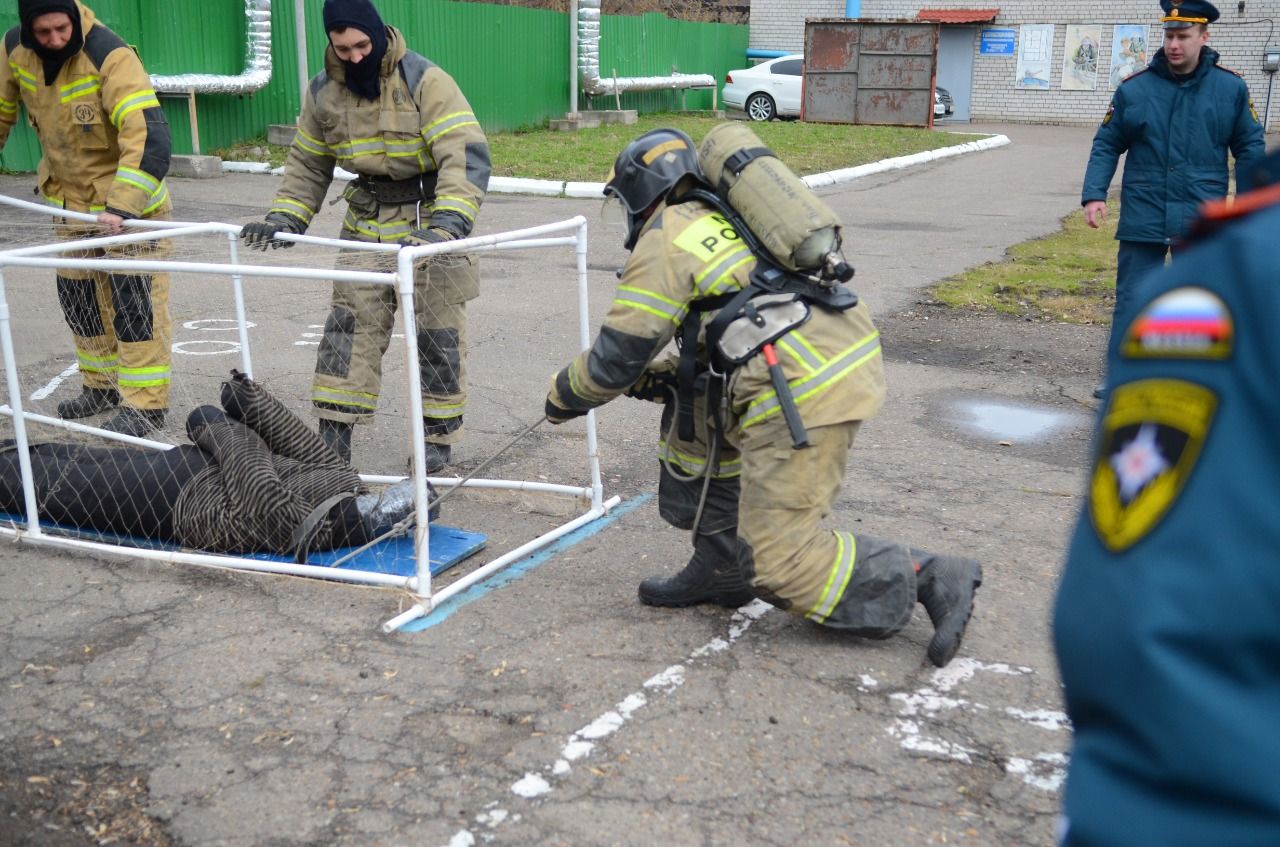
<point>1177,135</point>
<point>1167,620</point>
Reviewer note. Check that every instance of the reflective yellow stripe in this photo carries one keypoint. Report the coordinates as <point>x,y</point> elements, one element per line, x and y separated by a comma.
<point>801,350</point>
<point>58,202</point>
<point>441,410</point>
<point>142,100</point>
<point>311,145</point>
<point>158,199</point>
<point>292,207</point>
<point>390,231</point>
<point>8,107</point>
<point>433,132</point>
<point>81,87</point>
<point>25,78</point>
<point>460,205</point>
<point>320,394</point>
<point>691,464</point>
<point>145,377</point>
<point>648,301</point>
<point>837,579</point>
<point>717,277</point>
<point>142,179</point>
<point>93,364</point>
<point>810,386</point>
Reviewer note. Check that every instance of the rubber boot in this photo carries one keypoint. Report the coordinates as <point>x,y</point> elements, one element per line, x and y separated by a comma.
<point>713,575</point>
<point>337,435</point>
<point>135,422</point>
<point>946,585</point>
<point>382,510</point>
<point>90,402</point>
<point>437,456</point>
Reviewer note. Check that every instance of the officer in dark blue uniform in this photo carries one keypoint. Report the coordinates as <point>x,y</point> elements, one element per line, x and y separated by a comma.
<point>1167,621</point>
<point>1177,119</point>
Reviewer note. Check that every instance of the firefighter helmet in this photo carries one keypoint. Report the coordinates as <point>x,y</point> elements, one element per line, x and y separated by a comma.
<point>647,170</point>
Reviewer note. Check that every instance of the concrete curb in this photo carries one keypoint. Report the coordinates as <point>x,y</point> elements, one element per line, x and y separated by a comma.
<point>557,188</point>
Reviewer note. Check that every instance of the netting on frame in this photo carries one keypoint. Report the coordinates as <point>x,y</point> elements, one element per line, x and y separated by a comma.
<point>222,298</point>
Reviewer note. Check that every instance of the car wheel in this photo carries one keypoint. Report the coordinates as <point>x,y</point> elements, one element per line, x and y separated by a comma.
<point>759,107</point>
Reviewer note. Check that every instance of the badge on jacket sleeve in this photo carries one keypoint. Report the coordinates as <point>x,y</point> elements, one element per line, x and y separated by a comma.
<point>1186,323</point>
<point>1151,436</point>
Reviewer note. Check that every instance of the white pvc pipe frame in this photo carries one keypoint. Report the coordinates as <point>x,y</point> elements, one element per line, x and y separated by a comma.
<point>420,583</point>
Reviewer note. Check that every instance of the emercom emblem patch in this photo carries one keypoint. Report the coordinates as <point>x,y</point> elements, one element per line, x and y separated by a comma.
<point>1151,436</point>
<point>1186,323</point>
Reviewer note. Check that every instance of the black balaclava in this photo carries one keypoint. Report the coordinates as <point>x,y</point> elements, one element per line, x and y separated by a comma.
<point>362,76</point>
<point>28,11</point>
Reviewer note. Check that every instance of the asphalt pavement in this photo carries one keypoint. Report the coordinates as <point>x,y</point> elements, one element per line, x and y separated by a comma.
<point>552,707</point>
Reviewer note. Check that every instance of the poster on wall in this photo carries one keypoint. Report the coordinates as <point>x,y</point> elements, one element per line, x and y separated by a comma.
<point>1035,56</point>
<point>1080,57</point>
<point>1128,51</point>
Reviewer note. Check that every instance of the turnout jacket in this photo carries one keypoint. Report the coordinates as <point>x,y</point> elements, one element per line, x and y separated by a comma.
<point>688,252</point>
<point>1177,134</point>
<point>105,139</point>
<point>1165,623</point>
<point>421,125</point>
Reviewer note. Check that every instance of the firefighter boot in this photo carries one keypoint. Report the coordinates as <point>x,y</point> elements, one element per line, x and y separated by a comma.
<point>946,585</point>
<point>713,575</point>
<point>135,422</point>
<point>90,402</point>
<point>337,435</point>
<point>437,456</point>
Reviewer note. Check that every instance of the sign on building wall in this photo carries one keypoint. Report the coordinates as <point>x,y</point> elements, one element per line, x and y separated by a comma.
<point>1128,51</point>
<point>1035,56</point>
<point>996,42</point>
<point>1080,57</point>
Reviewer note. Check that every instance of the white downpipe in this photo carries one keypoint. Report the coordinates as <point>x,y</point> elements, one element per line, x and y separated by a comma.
<point>589,62</point>
<point>257,72</point>
<point>497,564</point>
<point>573,57</point>
<point>300,31</point>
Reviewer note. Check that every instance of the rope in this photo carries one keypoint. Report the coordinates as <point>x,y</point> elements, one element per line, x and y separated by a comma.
<point>402,526</point>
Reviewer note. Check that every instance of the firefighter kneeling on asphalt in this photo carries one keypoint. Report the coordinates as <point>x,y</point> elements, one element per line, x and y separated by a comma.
<point>751,457</point>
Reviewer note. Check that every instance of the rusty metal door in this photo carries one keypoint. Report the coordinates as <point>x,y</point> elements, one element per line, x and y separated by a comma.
<point>869,72</point>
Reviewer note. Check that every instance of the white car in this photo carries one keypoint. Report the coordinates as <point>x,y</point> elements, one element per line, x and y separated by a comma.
<point>769,90</point>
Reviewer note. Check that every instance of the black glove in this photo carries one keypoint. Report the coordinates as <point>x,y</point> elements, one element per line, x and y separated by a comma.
<point>201,417</point>
<point>260,234</point>
<point>556,414</point>
<point>426,235</point>
<point>653,386</point>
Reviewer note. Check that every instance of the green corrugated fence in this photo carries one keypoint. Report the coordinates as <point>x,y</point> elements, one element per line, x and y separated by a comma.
<point>512,62</point>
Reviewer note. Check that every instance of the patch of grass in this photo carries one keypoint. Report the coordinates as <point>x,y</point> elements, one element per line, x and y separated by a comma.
<point>1069,276</point>
<point>587,155</point>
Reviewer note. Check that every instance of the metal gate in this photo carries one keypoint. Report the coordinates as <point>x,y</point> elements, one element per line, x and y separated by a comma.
<point>869,72</point>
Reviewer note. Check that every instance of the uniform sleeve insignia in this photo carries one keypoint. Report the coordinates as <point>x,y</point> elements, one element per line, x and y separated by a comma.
<point>1228,70</point>
<point>1151,436</point>
<point>1111,110</point>
<point>1253,110</point>
<point>1186,323</point>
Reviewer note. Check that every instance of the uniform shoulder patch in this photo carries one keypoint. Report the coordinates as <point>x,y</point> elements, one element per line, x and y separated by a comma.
<point>1131,77</point>
<point>1229,70</point>
<point>1189,322</point>
<point>1152,433</point>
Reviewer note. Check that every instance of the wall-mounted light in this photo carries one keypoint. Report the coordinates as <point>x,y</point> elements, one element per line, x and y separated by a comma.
<point>1271,59</point>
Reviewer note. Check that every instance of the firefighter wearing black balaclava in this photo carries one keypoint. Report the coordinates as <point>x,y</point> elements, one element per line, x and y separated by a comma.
<point>404,127</point>
<point>755,503</point>
<point>106,152</point>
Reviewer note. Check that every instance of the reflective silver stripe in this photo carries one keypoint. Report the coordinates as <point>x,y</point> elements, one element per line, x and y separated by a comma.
<point>794,344</point>
<point>837,579</point>
<point>389,231</point>
<point>709,281</point>
<point>648,301</point>
<point>830,373</point>
<point>448,124</point>
<point>311,145</point>
<point>691,464</point>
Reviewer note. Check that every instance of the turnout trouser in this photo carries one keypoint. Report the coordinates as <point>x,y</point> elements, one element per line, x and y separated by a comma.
<point>839,579</point>
<point>358,330</point>
<point>120,321</point>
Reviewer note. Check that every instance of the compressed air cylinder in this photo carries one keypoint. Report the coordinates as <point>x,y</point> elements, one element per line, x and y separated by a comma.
<point>785,215</point>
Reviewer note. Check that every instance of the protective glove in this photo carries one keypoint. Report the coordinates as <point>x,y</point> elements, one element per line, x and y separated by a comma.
<point>262,233</point>
<point>653,386</point>
<point>557,414</point>
<point>426,235</point>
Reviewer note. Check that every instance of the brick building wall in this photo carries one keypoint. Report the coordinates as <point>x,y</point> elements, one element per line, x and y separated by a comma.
<point>1240,38</point>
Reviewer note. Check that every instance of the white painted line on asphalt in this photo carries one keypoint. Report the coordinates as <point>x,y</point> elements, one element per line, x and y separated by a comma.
<point>49,387</point>
<point>581,743</point>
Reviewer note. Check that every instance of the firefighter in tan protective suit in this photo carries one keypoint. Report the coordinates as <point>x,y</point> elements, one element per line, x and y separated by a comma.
<point>106,152</point>
<point>402,124</point>
<point>754,505</point>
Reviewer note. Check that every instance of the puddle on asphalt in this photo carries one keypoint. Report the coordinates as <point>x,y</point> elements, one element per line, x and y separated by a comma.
<point>1011,421</point>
